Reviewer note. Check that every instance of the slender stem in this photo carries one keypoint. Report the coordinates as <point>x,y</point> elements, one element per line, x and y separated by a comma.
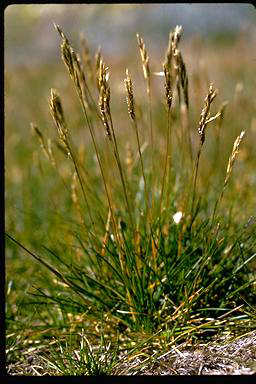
<point>166,159</point>
<point>195,177</point>
<point>102,173</point>
<point>217,203</point>
<point>151,138</point>
<point>80,182</point>
<point>116,152</point>
<point>142,166</point>
<point>188,135</point>
<point>166,169</point>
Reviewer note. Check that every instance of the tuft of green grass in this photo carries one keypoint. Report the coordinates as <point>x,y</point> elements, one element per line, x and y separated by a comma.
<point>144,243</point>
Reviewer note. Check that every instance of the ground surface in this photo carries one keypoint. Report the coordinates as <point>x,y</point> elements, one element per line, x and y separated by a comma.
<point>236,357</point>
<point>232,358</point>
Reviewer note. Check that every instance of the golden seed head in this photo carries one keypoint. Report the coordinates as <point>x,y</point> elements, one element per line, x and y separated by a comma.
<point>103,75</point>
<point>104,106</point>
<point>144,56</point>
<point>169,53</point>
<point>57,114</point>
<point>205,114</point>
<point>63,36</point>
<point>129,97</point>
<point>233,156</point>
<point>74,66</point>
<point>176,36</point>
<point>168,84</point>
<point>66,53</point>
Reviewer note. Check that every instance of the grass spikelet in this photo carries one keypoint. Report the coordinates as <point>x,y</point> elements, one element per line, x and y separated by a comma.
<point>168,84</point>
<point>58,116</point>
<point>129,97</point>
<point>168,54</point>
<point>205,114</point>
<point>230,166</point>
<point>75,69</point>
<point>205,119</point>
<point>177,72</point>
<point>104,97</point>
<point>233,157</point>
<point>176,36</point>
<point>98,59</point>
<point>175,54</point>
<point>144,59</point>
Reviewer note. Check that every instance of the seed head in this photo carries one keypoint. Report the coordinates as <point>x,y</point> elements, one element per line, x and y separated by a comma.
<point>168,84</point>
<point>129,97</point>
<point>57,114</point>
<point>205,114</point>
<point>144,56</point>
<point>233,156</point>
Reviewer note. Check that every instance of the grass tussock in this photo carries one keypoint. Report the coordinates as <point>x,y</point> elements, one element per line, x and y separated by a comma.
<point>147,251</point>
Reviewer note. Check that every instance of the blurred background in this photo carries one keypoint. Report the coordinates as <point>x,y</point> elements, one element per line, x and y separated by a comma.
<point>30,37</point>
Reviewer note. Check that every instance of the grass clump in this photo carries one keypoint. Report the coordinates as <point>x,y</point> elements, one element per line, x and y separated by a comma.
<point>149,247</point>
